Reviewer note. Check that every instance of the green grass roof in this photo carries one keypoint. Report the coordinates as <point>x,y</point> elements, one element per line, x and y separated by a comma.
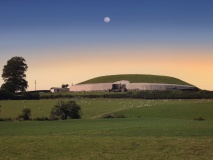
<point>136,78</point>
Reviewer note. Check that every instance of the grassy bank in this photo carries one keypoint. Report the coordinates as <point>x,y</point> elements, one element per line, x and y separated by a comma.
<point>159,129</point>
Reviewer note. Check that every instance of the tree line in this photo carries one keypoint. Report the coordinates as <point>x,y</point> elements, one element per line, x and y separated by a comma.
<point>175,94</point>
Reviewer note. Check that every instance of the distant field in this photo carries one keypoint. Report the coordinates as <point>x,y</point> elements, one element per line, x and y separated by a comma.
<point>94,108</point>
<point>159,129</point>
<point>136,78</point>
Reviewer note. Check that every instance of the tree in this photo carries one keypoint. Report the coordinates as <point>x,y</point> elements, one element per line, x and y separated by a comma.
<point>64,85</point>
<point>14,75</point>
<point>26,114</point>
<point>9,87</point>
<point>4,94</point>
<point>64,110</point>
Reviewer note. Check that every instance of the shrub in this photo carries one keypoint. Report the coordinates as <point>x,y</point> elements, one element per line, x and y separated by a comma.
<point>121,116</point>
<point>64,110</point>
<point>41,119</point>
<point>26,114</point>
<point>199,119</point>
<point>4,94</point>
<point>113,116</point>
<point>28,95</point>
<point>108,116</point>
<point>6,119</point>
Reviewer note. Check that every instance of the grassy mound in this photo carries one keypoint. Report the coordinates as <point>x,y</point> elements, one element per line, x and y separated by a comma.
<point>136,78</point>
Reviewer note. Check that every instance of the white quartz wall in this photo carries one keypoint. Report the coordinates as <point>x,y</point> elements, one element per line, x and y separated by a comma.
<point>129,86</point>
<point>91,87</point>
<point>155,86</point>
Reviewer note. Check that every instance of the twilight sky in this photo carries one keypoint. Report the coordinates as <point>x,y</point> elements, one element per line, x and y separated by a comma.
<point>67,41</point>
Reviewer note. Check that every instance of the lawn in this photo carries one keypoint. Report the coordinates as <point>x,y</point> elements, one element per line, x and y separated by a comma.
<point>159,129</point>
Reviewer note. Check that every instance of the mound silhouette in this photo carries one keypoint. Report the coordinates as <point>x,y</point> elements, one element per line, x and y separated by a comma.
<point>136,78</point>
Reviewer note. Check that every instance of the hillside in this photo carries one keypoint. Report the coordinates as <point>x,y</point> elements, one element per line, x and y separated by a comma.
<point>136,78</point>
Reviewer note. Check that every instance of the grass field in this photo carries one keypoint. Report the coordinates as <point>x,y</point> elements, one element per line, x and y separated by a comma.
<point>135,78</point>
<point>162,129</point>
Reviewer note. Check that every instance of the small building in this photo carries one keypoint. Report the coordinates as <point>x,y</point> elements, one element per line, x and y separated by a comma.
<point>58,89</point>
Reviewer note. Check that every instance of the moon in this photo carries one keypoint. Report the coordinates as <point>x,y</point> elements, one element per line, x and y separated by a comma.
<point>107,19</point>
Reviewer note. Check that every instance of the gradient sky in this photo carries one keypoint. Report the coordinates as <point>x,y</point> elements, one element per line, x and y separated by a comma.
<point>67,41</point>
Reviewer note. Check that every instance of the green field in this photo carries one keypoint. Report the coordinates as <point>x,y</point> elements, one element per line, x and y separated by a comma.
<point>136,78</point>
<point>152,129</point>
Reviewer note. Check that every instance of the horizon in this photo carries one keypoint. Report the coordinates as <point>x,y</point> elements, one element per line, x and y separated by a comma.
<point>66,42</point>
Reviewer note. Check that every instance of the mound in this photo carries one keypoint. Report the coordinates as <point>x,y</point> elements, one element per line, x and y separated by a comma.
<point>132,82</point>
<point>136,78</point>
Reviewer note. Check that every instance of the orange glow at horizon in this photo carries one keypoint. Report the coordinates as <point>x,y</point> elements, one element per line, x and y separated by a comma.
<point>192,66</point>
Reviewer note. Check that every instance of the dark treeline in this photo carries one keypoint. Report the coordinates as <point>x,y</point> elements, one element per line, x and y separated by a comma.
<point>175,94</point>
<point>5,95</point>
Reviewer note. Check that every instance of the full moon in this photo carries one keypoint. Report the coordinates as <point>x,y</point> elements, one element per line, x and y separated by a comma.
<point>107,19</point>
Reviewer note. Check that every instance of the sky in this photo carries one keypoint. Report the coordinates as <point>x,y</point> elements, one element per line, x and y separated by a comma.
<point>67,41</point>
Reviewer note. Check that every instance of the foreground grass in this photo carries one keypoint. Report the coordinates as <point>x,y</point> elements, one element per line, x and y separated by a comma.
<point>163,129</point>
<point>119,148</point>
<point>128,127</point>
<point>133,138</point>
